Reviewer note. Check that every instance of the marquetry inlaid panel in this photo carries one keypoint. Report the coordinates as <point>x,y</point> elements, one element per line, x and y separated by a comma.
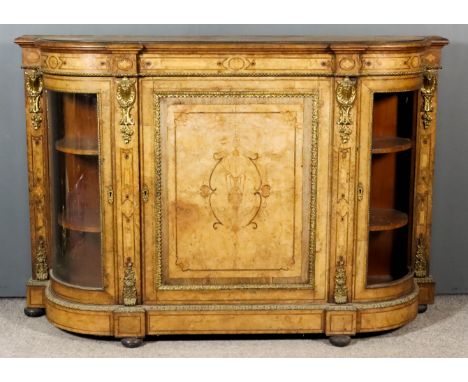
<point>235,64</point>
<point>234,201</point>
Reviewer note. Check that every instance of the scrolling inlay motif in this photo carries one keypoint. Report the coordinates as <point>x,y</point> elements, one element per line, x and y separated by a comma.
<point>341,290</point>
<point>427,91</point>
<point>239,171</point>
<point>34,86</point>
<point>41,267</point>
<point>126,95</point>
<point>129,287</point>
<point>345,96</point>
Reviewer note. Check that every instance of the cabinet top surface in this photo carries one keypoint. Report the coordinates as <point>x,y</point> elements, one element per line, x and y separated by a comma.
<point>147,41</point>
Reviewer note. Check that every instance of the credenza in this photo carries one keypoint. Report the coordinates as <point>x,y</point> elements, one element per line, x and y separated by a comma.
<point>215,185</point>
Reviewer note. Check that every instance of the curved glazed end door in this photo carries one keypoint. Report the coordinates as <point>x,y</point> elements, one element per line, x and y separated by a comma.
<point>80,175</point>
<point>388,145</point>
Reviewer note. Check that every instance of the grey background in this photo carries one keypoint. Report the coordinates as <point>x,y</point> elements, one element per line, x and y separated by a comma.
<point>450,209</point>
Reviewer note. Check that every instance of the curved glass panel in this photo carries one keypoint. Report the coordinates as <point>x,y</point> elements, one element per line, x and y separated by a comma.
<point>75,193</point>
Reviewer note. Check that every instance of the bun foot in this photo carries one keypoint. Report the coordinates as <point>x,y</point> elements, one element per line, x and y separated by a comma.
<point>340,340</point>
<point>34,312</point>
<point>132,342</point>
<point>422,308</point>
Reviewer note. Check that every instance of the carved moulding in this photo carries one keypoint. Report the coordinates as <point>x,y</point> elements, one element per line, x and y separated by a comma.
<point>420,265</point>
<point>157,97</point>
<point>41,268</point>
<point>345,96</point>
<point>129,285</point>
<point>34,87</point>
<point>126,96</point>
<point>427,91</point>
<point>341,290</point>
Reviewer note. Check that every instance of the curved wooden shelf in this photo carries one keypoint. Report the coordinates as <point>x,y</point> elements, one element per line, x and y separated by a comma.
<point>385,145</point>
<point>88,227</point>
<point>373,280</point>
<point>72,147</point>
<point>383,219</point>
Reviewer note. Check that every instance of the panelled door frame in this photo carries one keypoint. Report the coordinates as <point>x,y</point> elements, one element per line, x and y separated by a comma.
<point>151,218</point>
<point>102,88</point>
<point>397,288</point>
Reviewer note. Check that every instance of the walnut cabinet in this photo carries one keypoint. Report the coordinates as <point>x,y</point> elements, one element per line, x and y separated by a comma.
<point>197,185</point>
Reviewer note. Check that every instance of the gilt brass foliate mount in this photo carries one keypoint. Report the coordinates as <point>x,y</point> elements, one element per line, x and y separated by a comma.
<point>34,87</point>
<point>345,96</point>
<point>126,96</point>
<point>420,266</point>
<point>41,267</point>
<point>427,91</point>
<point>129,287</point>
<point>341,290</point>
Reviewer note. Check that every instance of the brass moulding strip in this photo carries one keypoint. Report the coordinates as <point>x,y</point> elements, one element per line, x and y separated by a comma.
<point>50,296</point>
<point>86,74</point>
<point>157,258</point>
<point>278,74</point>
<point>215,74</point>
<point>33,282</point>
<point>424,280</point>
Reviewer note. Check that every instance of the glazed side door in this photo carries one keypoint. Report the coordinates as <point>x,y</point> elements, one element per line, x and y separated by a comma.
<point>387,151</point>
<point>79,120</point>
<point>235,178</point>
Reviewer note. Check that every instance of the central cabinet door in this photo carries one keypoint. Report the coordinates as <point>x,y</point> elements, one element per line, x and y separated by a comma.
<point>234,190</point>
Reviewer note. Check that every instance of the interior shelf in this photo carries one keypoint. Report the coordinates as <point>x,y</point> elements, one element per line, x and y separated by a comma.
<point>384,145</point>
<point>74,147</point>
<point>384,219</point>
<point>379,279</point>
<point>82,226</point>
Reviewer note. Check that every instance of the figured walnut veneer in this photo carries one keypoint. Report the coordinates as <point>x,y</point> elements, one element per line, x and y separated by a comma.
<point>238,184</point>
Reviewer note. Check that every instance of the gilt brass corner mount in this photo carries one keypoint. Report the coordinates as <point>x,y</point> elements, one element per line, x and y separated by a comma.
<point>129,287</point>
<point>34,87</point>
<point>126,96</point>
<point>427,91</point>
<point>345,96</point>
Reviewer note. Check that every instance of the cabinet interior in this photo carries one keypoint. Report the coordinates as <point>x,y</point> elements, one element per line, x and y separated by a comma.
<point>390,215</point>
